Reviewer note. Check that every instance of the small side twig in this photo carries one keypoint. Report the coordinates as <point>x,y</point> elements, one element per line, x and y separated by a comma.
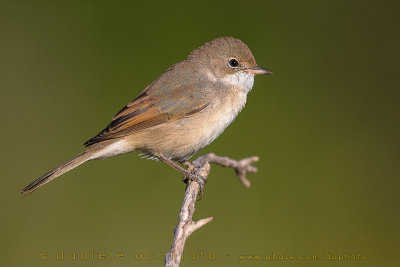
<point>241,167</point>
<point>186,225</point>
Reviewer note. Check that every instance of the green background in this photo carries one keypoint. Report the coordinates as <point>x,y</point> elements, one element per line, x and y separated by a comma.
<point>325,126</point>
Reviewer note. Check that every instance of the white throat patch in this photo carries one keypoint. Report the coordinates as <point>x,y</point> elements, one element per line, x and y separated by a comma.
<point>240,80</point>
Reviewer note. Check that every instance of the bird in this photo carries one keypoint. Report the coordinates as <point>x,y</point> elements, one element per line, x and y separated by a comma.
<point>179,113</point>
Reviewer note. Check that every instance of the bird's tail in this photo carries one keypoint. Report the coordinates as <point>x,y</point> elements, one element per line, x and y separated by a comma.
<point>63,168</point>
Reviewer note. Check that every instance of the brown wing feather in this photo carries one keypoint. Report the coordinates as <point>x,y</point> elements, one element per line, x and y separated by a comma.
<point>170,97</point>
<point>142,113</point>
<point>134,117</point>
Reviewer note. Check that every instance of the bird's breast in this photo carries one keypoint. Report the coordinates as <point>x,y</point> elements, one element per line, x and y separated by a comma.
<point>180,139</point>
<point>210,123</point>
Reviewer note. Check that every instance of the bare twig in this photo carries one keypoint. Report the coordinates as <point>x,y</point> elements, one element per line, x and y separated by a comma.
<point>241,167</point>
<point>186,225</point>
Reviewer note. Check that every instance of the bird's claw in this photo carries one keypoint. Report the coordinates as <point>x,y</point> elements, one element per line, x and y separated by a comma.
<point>190,176</point>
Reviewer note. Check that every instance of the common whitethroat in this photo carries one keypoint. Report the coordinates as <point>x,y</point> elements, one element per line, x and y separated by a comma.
<point>180,112</point>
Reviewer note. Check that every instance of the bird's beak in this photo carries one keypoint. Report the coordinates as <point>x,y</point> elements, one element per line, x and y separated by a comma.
<point>258,70</point>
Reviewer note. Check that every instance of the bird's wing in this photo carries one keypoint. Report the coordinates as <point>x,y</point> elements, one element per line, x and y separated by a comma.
<point>154,107</point>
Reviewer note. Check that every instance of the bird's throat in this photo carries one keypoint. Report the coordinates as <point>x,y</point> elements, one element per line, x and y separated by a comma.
<point>240,80</point>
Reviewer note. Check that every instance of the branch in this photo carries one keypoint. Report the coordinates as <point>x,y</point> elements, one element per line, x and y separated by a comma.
<point>241,167</point>
<point>186,225</point>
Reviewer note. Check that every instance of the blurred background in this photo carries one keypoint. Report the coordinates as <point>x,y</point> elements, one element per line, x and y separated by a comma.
<point>325,126</point>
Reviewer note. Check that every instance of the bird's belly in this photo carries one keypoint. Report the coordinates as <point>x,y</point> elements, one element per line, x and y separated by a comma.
<point>182,138</point>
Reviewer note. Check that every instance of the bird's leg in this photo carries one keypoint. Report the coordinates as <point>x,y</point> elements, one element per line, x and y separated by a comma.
<point>188,175</point>
<point>172,163</point>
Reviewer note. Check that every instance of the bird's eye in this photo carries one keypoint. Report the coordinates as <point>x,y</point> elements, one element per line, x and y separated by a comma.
<point>233,63</point>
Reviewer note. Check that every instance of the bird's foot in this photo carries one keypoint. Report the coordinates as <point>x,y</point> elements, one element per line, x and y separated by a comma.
<point>191,176</point>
